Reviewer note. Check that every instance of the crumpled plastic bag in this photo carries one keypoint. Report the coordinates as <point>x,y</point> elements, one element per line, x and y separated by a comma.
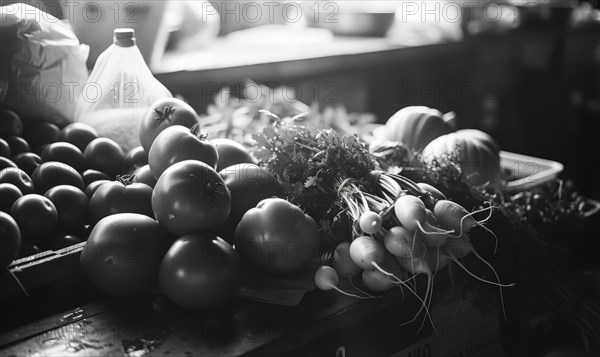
<point>43,65</point>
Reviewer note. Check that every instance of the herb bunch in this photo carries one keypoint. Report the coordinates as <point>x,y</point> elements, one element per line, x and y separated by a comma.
<point>311,163</point>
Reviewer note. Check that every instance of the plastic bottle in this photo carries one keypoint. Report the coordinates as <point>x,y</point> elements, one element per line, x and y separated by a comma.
<point>119,91</point>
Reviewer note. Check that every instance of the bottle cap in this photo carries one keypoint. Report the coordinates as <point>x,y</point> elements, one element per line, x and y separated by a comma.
<point>124,37</point>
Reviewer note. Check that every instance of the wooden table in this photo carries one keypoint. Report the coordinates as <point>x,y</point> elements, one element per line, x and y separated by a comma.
<point>322,323</point>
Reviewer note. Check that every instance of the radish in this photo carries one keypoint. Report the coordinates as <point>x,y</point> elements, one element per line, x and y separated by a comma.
<point>456,249</point>
<point>431,196</point>
<point>453,216</point>
<point>370,222</point>
<point>368,253</point>
<point>416,266</point>
<point>326,278</point>
<point>345,267</point>
<point>377,281</point>
<point>434,192</point>
<point>403,243</point>
<point>436,260</point>
<point>459,247</point>
<point>342,262</point>
<point>433,240</point>
<point>412,215</point>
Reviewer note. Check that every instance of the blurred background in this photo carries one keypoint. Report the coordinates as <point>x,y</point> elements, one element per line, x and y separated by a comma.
<point>527,72</point>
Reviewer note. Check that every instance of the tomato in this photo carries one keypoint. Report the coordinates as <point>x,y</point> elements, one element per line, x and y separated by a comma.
<point>10,240</point>
<point>17,145</point>
<point>248,185</point>
<point>200,271</point>
<point>5,149</point>
<point>6,163</point>
<point>65,153</point>
<point>41,133</point>
<point>90,176</point>
<point>104,155</point>
<point>123,253</point>
<point>10,123</point>
<point>27,161</point>
<point>277,237</point>
<point>78,134</point>
<point>178,143</point>
<point>135,159</point>
<point>190,197</point>
<point>144,175</point>
<point>163,114</point>
<point>71,204</point>
<point>36,216</point>
<point>9,193</point>
<point>123,196</point>
<point>18,178</point>
<point>52,173</point>
<point>230,153</point>
<point>94,186</point>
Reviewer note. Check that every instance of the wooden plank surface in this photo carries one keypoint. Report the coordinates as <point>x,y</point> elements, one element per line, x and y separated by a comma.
<point>154,325</point>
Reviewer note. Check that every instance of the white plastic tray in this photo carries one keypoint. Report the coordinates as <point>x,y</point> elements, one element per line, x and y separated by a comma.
<point>523,172</point>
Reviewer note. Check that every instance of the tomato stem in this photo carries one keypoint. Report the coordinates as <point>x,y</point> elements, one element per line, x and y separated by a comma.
<point>127,179</point>
<point>165,114</point>
<point>196,131</point>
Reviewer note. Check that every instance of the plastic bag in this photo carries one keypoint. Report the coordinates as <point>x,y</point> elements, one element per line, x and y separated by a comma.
<point>119,92</point>
<point>42,64</point>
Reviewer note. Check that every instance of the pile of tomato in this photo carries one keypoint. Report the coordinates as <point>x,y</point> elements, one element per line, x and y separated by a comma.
<point>166,214</point>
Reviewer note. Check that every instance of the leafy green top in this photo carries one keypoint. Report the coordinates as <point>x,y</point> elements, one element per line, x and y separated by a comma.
<point>311,163</point>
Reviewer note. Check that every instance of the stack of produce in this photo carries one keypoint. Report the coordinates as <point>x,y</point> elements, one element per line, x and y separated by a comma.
<point>189,210</point>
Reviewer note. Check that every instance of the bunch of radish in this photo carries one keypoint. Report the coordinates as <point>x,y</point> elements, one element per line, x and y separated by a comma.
<point>409,224</point>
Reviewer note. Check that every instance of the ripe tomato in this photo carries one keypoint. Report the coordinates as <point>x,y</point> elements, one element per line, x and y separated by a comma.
<point>94,186</point>
<point>277,237</point>
<point>64,152</point>
<point>17,145</point>
<point>231,153</point>
<point>52,173</point>
<point>71,204</point>
<point>135,159</point>
<point>144,175</point>
<point>248,185</point>
<point>10,240</point>
<point>27,161</point>
<point>163,114</point>
<point>10,123</point>
<point>41,133</point>
<point>123,253</point>
<point>90,176</point>
<point>5,149</point>
<point>200,271</point>
<point>5,163</point>
<point>178,143</point>
<point>104,154</point>
<point>36,216</point>
<point>9,193</point>
<point>190,197</point>
<point>78,134</point>
<point>122,196</point>
<point>18,178</point>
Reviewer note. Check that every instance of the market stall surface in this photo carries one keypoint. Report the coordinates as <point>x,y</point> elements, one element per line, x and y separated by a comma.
<point>322,321</point>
